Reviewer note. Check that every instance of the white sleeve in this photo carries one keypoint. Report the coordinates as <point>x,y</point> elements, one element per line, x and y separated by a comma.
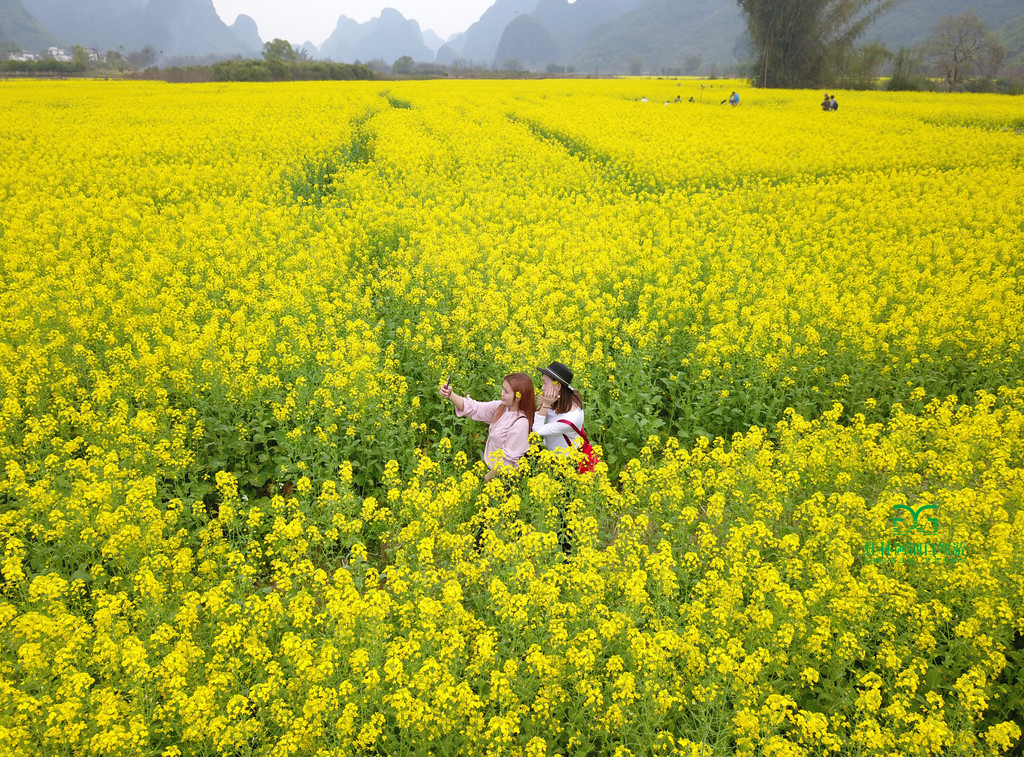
<point>553,427</point>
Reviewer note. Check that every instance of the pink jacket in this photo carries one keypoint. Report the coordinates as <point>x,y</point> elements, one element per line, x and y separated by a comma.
<point>511,432</point>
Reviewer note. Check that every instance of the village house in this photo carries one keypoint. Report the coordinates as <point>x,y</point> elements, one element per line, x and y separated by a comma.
<point>22,56</point>
<point>59,54</point>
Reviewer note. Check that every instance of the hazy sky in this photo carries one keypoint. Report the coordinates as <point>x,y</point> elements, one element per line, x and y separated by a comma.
<point>300,21</point>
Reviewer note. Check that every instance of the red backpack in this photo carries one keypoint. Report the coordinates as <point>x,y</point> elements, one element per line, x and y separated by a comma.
<point>588,464</point>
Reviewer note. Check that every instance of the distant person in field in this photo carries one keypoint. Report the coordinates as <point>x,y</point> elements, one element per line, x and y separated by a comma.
<point>509,418</point>
<point>833,105</point>
<point>559,416</point>
<point>734,99</point>
<point>826,104</point>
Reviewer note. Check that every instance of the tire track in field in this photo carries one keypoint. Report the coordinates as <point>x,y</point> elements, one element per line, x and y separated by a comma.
<point>613,170</point>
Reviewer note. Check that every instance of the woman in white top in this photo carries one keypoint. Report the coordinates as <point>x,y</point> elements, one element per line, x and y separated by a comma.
<point>559,409</point>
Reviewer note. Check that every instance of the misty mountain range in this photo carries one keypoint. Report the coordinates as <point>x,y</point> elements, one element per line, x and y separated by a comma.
<point>593,35</point>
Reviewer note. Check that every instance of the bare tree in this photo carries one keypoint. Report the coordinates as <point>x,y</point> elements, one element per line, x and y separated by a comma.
<point>907,67</point>
<point>961,46</point>
<point>859,68</point>
<point>992,58</point>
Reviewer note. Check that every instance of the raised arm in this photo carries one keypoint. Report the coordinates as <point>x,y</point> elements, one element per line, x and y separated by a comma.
<point>459,402</point>
<point>467,407</point>
<point>542,427</point>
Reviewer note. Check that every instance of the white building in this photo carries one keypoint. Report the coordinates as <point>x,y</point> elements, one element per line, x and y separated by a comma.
<point>59,54</point>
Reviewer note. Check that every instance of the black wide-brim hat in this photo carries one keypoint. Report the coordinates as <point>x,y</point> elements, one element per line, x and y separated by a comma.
<point>558,372</point>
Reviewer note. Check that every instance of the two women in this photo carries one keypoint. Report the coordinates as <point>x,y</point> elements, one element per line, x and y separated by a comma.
<point>557,417</point>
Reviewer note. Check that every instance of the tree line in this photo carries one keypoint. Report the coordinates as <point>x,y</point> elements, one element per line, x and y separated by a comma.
<point>280,62</point>
<point>809,43</point>
<point>260,71</point>
<point>44,67</point>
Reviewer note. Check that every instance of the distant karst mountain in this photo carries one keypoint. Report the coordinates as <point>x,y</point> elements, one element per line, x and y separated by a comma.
<point>103,24</point>
<point>572,23</point>
<point>1011,36</point>
<point>526,42</point>
<point>912,21</point>
<point>20,28</point>
<point>608,36</point>
<point>188,28</point>
<point>447,54</point>
<point>603,35</point>
<point>245,29</point>
<point>479,43</point>
<point>390,36</point>
<point>341,45</point>
<point>664,33</point>
<point>387,37</point>
<point>175,28</point>
<point>431,40</point>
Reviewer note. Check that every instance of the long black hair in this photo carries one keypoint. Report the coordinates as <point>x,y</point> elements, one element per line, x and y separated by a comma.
<point>567,399</point>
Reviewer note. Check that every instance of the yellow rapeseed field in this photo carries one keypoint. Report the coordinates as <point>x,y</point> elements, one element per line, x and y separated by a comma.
<point>236,518</point>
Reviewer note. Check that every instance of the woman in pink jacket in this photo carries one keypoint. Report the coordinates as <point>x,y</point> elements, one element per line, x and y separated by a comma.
<point>510,419</point>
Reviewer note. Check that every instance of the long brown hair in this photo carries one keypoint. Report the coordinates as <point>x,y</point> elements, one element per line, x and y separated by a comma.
<point>521,384</point>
